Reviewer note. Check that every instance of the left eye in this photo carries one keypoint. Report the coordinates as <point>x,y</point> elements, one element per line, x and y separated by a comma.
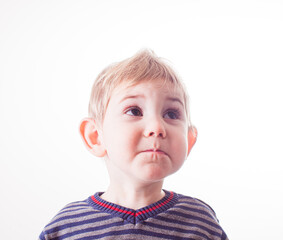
<point>134,112</point>
<point>172,115</point>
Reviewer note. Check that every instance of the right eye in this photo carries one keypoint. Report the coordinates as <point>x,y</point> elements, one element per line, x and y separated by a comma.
<point>134,111</point>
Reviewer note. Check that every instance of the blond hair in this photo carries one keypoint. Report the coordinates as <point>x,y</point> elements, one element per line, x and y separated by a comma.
<point>144,65</point>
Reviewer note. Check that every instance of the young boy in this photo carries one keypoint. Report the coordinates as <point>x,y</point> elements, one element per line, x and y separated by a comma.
<point>139,123</point>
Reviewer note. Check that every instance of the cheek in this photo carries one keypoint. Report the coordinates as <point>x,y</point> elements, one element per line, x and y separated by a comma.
<point>180,148</point>
<point>120,140</point>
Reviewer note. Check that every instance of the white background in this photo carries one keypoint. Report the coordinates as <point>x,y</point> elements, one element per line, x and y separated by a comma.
<point>230,55</point>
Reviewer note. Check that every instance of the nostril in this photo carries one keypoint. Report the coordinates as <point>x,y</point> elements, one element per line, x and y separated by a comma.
<point>155,134</point>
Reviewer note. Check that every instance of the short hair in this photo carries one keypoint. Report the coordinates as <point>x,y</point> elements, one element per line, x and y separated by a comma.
<point>144,65</point>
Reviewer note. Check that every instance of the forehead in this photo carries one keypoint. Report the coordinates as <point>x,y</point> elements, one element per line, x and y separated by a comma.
<point>151,87</point>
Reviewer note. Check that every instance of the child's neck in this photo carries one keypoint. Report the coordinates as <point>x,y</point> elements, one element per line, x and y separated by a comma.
<point>134,197</point>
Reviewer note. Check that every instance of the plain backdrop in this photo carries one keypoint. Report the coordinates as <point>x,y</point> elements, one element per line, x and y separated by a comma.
<point>230,55</point>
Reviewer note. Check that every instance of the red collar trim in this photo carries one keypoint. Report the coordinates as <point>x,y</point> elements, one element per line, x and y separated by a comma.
<point>132,215</point>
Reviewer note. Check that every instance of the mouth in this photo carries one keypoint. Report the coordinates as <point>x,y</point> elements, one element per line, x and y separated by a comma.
<point>155,151</point>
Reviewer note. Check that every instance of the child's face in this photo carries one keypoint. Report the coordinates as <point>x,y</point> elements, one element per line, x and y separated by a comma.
<point>145,132</point>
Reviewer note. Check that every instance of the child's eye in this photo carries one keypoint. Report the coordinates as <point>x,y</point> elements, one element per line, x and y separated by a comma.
<point>134,111</point>
<point>172,114</point>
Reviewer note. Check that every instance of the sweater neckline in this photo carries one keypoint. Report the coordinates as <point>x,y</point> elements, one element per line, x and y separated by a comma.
<point>131,215</point>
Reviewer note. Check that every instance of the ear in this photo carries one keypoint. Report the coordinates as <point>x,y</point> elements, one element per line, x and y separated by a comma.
<point>192,138</point>
<point>90,136</point>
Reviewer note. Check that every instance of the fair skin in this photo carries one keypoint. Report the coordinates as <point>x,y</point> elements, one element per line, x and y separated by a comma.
<point>144,138</point>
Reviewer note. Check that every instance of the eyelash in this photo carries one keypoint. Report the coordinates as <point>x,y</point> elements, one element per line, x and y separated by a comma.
<point>175,111</point>
<point>133,108</point>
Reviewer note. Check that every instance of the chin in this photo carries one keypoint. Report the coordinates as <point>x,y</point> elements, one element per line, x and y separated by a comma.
<point>154,175</point>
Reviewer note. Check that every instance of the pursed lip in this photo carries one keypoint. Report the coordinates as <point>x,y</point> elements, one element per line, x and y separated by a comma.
<point>157,151</point>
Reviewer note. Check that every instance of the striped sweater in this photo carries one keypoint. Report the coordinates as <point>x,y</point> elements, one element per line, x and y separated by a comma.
<point>173,217</point>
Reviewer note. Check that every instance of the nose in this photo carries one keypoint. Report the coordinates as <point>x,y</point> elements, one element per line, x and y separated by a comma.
<point>155,128</point>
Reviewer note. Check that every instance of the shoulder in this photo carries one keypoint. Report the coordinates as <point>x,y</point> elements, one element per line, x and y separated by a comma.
<point>196,212</point>
<point>72,210</point>
<point>72,215</point>
<point>197,205</point>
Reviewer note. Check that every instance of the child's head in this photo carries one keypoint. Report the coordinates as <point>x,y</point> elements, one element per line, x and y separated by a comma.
<point>143,66</point>
<point>139,119</point>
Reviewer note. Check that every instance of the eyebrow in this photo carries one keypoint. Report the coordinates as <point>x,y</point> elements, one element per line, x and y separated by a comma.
<point>132,96</point>
<point>173,99</point>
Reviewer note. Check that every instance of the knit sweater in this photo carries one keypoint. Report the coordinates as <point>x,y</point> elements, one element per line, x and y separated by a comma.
<point>175,216</point>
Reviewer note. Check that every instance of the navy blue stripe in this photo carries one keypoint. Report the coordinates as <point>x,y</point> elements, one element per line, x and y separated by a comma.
<point>73,210</point>
<point>224,236</point>
<point>76,204</point>
<point>180,230</point>
<point>189,216</point>
<point>186,224</point>
<point>137,232</point>
<point>196,202</point>
<point>71,216</point>
<point>69,207</point>
<point>197,211</point>
<point>78,223</point>
<point>90,229</point>
<point>42,236</point>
